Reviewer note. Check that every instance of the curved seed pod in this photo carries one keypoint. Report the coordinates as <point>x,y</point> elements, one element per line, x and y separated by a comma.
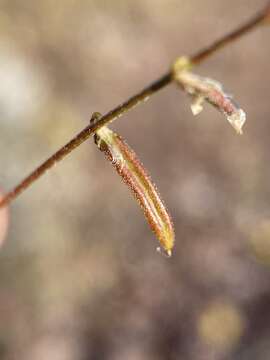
<point>205,89</point>
<point>131,170</point>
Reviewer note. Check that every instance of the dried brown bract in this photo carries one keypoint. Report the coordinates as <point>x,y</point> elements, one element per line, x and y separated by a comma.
<point>203,89</point>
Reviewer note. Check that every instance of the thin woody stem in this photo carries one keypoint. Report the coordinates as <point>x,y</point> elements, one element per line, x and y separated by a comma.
<point>229,38</point>
<point>135,100</point>
<point>84,135</point>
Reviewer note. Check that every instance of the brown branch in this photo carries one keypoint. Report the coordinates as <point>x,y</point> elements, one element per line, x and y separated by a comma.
<point>85,134</point>
<point>135,100</point>
<point>254,22</point>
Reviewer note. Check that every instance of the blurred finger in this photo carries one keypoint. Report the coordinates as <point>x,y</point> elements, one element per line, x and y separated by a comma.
<point>4,217</point>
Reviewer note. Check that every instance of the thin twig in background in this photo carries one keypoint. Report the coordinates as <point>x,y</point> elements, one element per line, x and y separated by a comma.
<point>135,100</point>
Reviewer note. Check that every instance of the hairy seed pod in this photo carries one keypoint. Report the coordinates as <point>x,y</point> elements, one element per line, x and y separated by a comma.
<point>131,170</point>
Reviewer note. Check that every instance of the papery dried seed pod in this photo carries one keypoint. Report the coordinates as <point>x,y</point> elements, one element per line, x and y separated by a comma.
<point>205,89</point>
<point>132,172</point>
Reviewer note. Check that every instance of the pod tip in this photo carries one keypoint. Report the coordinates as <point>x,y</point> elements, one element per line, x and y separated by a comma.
<point>165,252</point>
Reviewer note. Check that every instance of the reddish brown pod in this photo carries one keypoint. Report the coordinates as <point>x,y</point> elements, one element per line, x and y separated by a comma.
<point>135,176</point>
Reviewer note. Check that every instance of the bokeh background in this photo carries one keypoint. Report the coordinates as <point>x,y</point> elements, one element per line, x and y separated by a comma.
<point>80,277</point>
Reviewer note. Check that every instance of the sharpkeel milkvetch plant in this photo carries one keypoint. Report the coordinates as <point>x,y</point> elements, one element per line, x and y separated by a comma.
<point>200,89</point>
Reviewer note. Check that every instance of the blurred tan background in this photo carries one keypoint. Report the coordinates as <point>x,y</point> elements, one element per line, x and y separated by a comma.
<point>79,274</point>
